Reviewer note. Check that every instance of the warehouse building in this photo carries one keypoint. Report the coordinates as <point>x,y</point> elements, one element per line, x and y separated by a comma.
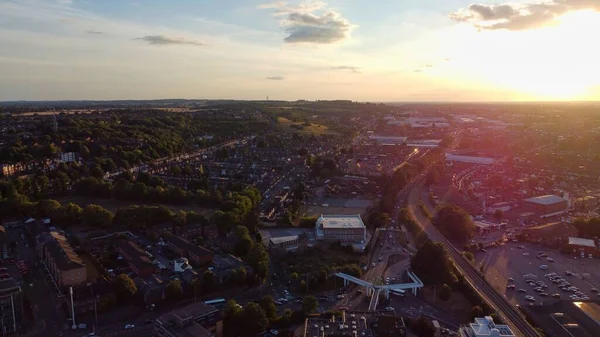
<point>546,205</point>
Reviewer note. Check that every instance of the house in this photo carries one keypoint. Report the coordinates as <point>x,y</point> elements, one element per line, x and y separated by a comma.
<point>190,232</point>
<point>210,232</point>
<point>197,255</point>
<point>138,260</point>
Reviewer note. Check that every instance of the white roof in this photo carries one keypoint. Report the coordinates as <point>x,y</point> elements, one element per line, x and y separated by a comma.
<point>470,159</point>
<point>582,242</point>
<point>342,221</point>
<point>485,326</point>
<point>282,239</point>
<point>546,199</point>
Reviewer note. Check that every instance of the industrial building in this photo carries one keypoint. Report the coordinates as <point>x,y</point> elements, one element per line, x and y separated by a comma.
<point>284,243</point>
<point>450,157</point>
<point>66,267</point>
<point>585,246</point>
<point>546,205</point>
<point>11,306</point>
<point>485,327</point>
<point>388,140</point>
<point>194,320</point>
<point>347,229</point>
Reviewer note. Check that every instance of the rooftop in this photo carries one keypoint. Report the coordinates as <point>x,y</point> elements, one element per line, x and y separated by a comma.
<point>546,199</point>
<point>341,221</point>
<point>282,239</point>
<point>592,310</point>
<point>582,242</point>
<point>485,326</point>
<point>61,251</point>
<point>187,245</point>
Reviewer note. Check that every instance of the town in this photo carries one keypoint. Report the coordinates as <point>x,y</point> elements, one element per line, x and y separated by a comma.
<point>305,218</point>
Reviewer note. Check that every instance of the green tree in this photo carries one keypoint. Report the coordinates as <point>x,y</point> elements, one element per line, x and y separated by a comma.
<point>445,292</point>
<point>498,214</point>
<point>96,216</point>
<point>125,288</point>
<point>208,280</point>
<point>174,290</point>
<point>469,256</point>
<point>421,264</point>
<point>49,208</point>
<point>454,223</point>
<point>422,327</point>
<point>309,304</point>
<point>258,259</point>
<point>268,305</point>
<point>253,320</point>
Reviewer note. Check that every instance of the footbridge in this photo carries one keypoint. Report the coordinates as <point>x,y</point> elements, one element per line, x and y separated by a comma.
<point>374,290</point>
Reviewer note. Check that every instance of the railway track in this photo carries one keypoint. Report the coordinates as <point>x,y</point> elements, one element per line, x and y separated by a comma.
<point>509,313</point>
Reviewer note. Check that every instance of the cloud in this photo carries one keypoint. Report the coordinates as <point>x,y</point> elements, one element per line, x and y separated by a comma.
<point>161,40</point>
<point>428,66</point>
<point>276,4</point>
<point>418,70</point>
<point>94,32</point>
<point>310,22</point>
<point>276,78</point>
<point>349,68</point>
<point>520,17</point>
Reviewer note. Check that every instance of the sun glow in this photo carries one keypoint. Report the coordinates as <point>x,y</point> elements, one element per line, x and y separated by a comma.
<point>559,62</point>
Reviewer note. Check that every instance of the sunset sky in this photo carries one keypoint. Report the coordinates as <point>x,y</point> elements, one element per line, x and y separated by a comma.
<point>363,50</point>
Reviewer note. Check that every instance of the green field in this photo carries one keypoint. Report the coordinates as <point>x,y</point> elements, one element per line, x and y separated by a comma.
<point>298,127</point>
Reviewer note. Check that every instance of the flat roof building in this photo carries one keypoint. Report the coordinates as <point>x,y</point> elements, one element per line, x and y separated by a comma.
<point>470,159</point>
<point>546,204</point>
<point>194,320</point>
<point>347,229</point>
<point>11,306</point>
<point>485,327</point>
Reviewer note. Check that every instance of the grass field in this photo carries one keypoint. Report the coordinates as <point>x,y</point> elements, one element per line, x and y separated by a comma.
<point>318,210</point>
<point>313,128</point>
<point>112,204</point>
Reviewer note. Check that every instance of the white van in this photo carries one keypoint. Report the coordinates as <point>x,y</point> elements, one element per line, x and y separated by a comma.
<point>543,267</point>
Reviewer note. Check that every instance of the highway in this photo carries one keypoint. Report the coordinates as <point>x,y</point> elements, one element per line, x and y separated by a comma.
<point>498,302</point>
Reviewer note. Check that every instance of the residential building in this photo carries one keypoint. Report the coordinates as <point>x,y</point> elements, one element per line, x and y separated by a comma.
<point>190,232</point>
<point>347,229</point>
<point>485,327</point>
<point>66,267</point>
<point>194,320</point>
<point>11,306</point>
<point>197,255</point>
<point>137,258</point>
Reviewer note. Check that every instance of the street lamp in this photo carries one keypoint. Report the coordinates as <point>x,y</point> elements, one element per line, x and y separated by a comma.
<point>74,326</point>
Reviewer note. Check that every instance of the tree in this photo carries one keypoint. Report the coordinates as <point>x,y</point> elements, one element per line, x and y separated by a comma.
<point>421,264</point>
<point>253,320</point>
<point>268,305</point>
<point>208,280</point>
<point>422,327</point>
<point>96,216</point>
<point>258,259</point>
<point>309,304</point>
<point>174,290</point>
<point>498,214</point>
<point>125,288</point>
<point>469,256</point>
<point>476,311</point>
<point>454,223</point>
<point>445,292</point>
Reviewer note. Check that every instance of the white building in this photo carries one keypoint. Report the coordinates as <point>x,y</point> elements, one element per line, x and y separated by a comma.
<point>450,157</point>
<point>485,327</point>
<point>347,229</point>
<point>388,139</point>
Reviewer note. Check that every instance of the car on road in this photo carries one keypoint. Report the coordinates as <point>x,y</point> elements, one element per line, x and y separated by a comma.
<point>557,295</point>
<point>521,290</point>
<point>543,267</point>
<point>550,259</point>
<point>525,254</point>
<point>129,326</point>
<point>510,286</point>
<point>530,298</point>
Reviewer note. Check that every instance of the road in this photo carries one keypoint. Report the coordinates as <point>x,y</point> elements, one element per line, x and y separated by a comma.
<point>509,313</point>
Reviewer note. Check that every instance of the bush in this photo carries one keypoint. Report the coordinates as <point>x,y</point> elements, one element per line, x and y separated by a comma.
<point>445,292</point>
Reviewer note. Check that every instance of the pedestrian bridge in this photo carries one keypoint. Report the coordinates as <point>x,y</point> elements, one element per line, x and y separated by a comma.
<point>414,285</point>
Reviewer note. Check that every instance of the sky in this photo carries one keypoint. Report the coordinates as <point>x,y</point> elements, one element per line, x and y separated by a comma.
<point>361,50</point>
